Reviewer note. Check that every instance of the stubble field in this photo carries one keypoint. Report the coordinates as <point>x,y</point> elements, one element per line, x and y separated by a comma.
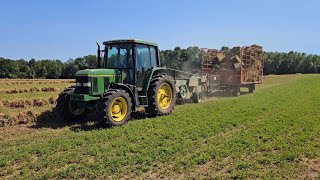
<point>22,101</point>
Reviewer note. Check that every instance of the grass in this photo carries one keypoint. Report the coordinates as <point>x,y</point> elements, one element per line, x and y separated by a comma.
<point>273,133</point>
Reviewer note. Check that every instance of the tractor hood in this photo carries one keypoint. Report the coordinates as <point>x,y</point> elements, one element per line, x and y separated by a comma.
<point>96,72</point>
<point>97,81</point>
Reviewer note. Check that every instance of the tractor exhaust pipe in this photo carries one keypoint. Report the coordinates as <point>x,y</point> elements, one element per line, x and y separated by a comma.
<point>98,55</point>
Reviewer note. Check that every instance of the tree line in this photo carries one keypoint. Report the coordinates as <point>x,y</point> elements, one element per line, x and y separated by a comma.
<point>188,59</point>
<point>50,69</point>
<point>291,63</point>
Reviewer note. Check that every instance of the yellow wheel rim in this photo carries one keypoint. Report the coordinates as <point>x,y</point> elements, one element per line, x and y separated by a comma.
<point>118,109</point>
<point>164,96</point>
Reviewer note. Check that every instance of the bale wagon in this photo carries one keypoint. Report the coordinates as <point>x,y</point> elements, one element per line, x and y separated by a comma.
<point>237,67</point>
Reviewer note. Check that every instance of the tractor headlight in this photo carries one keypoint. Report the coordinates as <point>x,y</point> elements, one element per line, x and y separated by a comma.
<point>87,84</point>
<point>83,85</point>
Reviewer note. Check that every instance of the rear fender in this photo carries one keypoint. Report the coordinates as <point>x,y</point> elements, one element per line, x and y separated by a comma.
<point>154,71</point>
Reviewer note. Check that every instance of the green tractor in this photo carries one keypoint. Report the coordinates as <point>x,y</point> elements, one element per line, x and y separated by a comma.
<point>128,76</point>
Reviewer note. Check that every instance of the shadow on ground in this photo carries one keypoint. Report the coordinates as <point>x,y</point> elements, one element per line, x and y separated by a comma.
<point>226,94</point>
<point>49,118</point>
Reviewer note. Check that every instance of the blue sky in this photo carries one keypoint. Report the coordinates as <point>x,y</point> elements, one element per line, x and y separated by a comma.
<point>63,29</point>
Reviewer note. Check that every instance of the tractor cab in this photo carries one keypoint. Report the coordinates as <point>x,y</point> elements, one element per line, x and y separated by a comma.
<point>132,59</point>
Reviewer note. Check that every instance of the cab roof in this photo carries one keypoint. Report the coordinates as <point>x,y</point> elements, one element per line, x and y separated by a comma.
<point>138,41</point>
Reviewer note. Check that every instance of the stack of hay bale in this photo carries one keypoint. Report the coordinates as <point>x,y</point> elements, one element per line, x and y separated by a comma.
<point>253,55</point>
<point>248,58</point>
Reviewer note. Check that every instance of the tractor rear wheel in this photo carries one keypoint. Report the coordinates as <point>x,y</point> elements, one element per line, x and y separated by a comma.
<point>115,107</point>
<point>68,110</point>
<point>162,96</point>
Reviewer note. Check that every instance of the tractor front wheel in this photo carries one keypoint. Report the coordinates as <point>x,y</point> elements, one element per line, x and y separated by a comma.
<point>115,107</point>
<point>162,96</point>
<point>68,110</point>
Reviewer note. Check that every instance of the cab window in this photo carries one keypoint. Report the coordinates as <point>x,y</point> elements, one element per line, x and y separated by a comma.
<point>143,58</point>
<point>153,55</point>
<point>119,56</point>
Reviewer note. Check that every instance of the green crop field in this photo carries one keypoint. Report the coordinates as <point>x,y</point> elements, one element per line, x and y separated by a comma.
<point>271,134</point>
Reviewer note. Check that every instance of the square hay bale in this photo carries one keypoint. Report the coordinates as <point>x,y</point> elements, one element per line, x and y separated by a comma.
<point>237,66</point>
<point>220,56</point>
<point>236,59</point>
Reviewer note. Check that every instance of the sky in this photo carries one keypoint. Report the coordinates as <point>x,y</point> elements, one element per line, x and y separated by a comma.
<point>63,29</point>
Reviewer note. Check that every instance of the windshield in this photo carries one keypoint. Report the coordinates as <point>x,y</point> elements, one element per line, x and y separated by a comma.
<point>119,56</point>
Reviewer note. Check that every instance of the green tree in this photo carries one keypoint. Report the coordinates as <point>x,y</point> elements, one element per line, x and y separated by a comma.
<point>8,68</point>
<point>69,69</point>
<point>224,48</point>
<point>91,61</point>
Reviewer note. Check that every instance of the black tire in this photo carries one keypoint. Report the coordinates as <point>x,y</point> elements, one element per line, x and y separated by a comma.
<point>107,103</point>
<point>154,108</point>
<point>252,88</point>
<point>63,107</point>
<point>236,91</point>
<point>204,91</point>
<point>197,97</point>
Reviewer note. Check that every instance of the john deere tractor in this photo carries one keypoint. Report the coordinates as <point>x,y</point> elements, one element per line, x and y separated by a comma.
<point>128,76</point>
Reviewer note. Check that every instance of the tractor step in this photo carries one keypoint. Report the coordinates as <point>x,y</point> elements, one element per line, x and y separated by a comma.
<point>143,101</point>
